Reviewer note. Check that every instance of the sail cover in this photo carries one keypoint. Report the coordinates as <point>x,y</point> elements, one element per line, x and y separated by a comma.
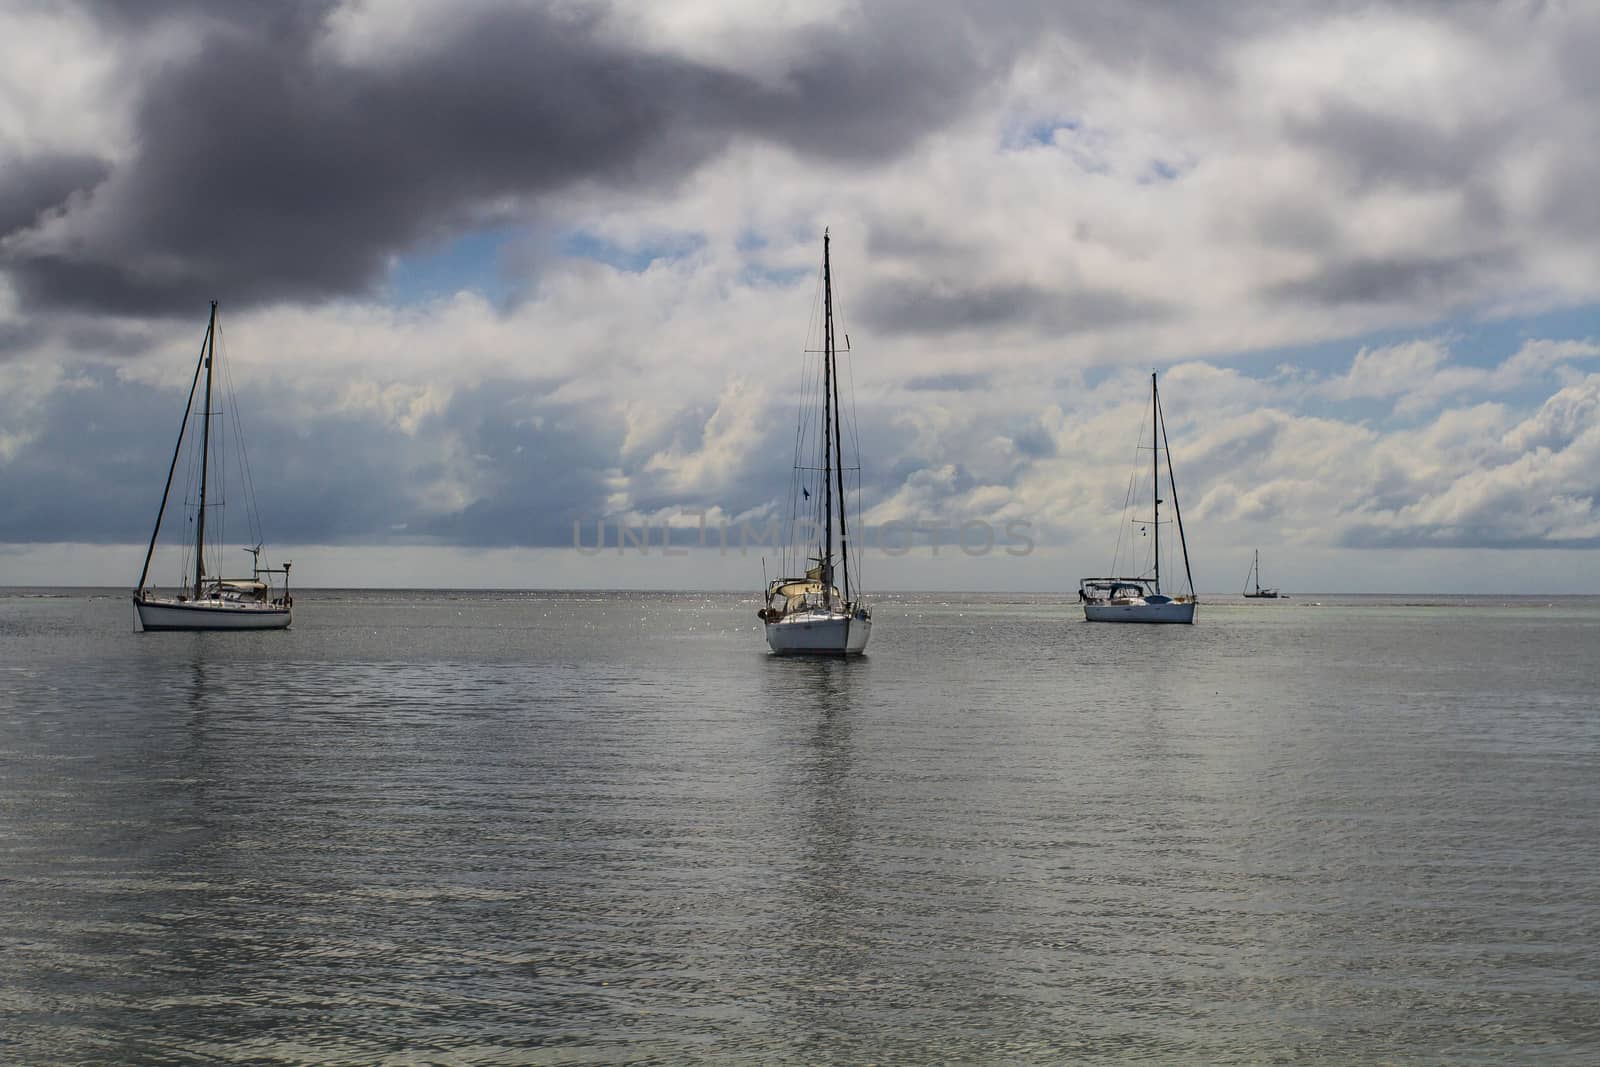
<point>793,589</point>
<point>242,585</point>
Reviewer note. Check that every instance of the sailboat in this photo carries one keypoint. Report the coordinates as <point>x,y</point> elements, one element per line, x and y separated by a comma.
<point>1141,598</point>
<point>1255,574</point>
<point>211,602</point>
<point>812,613</point>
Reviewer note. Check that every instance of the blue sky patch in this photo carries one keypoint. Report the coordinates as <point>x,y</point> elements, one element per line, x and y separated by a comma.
<point>470,262</point>
<point>582,244</point>
<point>1159,171</point>
<point>1040,132</point>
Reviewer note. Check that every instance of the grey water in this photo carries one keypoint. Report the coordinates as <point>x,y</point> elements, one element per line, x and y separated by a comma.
<point>577,828</point>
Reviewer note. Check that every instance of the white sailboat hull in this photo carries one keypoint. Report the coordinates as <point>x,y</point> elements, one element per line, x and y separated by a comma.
<point>1138,597</point>
<point>817,633</point>
<point>1173,611</point>
<point>161,614</point>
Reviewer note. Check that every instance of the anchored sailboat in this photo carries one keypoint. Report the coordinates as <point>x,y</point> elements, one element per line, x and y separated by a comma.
<point>812,613</point>
<point>212,603</point>
<point>1255,575</point>
<point>1140,598</point>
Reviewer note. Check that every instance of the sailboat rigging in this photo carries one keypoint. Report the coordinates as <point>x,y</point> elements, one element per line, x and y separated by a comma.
<point>210,603</point>
<point>1255,575</point>
<point>1140,598</point>
<point>816,613</point>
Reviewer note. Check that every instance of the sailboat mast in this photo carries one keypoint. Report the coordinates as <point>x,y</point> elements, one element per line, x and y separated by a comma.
<point>827,420</point>
<point>205,456</point>
<point>838,422</point>
<point>172,469</point>
<point>1155,474</point>
<point>1255,569</point>
<point>1177,508</point>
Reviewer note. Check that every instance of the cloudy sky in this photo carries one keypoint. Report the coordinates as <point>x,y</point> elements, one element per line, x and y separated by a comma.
<point>487,270</point>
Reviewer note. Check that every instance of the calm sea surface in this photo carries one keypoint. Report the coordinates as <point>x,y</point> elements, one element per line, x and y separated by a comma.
<point>575,828</point>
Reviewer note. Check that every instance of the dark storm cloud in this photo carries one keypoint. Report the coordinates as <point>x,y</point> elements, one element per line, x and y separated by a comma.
<point>918,306</point>
<point>17,338</point>
<point>1374,148</point>
<point>82,335</point>
<point>1567,205</point>
<point>53,493</point>
<point>31,187</point>
<point>344,477</point>
<point>539,467</point>
<point>1393,281</point>
<point>269,169</point>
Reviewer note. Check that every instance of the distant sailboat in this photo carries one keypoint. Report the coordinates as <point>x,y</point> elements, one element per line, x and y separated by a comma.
<point>211,603</point>
<point>1140,598</point>
<point>811,614</point>
<point>1255,575</point>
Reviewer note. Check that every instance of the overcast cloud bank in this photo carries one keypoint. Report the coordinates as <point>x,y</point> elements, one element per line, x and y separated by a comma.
<point>1359,241</point>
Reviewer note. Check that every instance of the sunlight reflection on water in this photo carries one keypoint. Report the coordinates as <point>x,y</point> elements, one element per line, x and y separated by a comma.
<point>501,826</point>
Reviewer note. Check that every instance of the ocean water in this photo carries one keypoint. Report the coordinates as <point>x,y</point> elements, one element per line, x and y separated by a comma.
<point>583,828</point>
